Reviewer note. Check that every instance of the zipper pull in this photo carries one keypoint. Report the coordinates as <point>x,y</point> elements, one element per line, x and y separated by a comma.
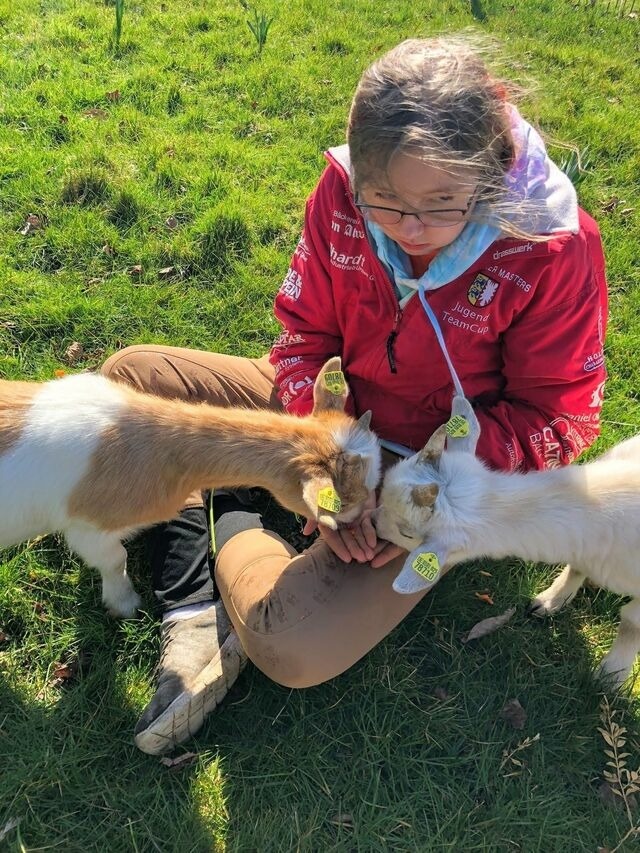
<point>391,340</point>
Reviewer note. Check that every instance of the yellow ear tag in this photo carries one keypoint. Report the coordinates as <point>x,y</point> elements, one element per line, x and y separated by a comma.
<point>334,382</point>
<point>457,426</point>
<point>328,499</point>
<point>427,566</point>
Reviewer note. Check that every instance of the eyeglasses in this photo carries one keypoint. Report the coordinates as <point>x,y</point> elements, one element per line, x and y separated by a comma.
<point>431,218</point>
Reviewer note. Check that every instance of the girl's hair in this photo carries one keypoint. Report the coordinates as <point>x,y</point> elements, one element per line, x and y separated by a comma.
<point>435,99</point>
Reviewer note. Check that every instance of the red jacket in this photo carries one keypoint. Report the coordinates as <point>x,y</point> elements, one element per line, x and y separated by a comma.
<point>524,327</point>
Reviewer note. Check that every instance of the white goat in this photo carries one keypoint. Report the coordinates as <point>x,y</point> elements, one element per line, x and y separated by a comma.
<point>448,507</point>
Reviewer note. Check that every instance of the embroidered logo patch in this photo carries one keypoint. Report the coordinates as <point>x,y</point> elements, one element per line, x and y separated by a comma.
<point>482,290</point>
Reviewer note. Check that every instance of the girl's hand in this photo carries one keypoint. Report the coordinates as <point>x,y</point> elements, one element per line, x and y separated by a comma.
<point>354,541</point>
<point>387,552</point>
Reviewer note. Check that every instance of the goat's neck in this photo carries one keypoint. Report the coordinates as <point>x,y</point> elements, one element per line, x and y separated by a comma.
<point>524,514</point>
<point>211,445</point>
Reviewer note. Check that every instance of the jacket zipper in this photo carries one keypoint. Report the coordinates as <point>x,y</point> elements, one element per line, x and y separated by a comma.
<point>391,340</point>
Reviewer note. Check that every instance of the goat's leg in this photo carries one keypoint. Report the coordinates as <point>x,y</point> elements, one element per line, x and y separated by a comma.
<point>561,592</point>
<point>104,551</point>
<point>616,665</point>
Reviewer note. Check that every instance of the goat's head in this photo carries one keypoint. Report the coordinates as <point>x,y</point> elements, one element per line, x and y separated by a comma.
<point>341,465</point>
<point>411,512</point>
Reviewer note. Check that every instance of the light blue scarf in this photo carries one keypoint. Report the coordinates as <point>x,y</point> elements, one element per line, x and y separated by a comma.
<point>450,262</point>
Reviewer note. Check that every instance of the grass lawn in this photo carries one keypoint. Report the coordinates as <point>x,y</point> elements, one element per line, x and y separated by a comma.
<point>165,182</point>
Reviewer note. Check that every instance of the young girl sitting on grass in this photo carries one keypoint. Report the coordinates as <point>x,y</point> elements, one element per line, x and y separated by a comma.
<point>440,246</point>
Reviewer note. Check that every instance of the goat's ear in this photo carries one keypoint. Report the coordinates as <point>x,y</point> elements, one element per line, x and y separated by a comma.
<point>434,448</point>
<point>424,496</point>
<point>322,500</point>
<point>330,390</point>
<point>422,568</point>
<point>463,429</point>
<point>364,421</point>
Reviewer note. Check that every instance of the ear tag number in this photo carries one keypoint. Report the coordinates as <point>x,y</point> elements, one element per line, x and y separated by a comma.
<point>328,499</point>
<point>427,566</point>
<point>457,426</point>
<point>334,382</point>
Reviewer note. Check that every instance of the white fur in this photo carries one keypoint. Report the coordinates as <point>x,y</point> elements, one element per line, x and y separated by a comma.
<point>62,431</point>
<point>586,515</point>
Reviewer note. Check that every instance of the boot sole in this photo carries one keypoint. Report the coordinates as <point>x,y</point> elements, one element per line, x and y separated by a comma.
<point>186,714</point>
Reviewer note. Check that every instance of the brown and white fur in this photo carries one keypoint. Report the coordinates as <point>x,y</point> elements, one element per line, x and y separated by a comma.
<point>97,461</point>
<point>585,515</point>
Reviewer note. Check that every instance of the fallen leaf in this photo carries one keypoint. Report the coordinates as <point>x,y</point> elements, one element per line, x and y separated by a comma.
<point>59,373</point>
<point>486,574</point>
<point>488,626</point>
<point>514,714</point>
<point>113,96</point>
<point>483,596</point>
<point>63,119</point>
<point>180,762</point>
<point>345,820</point>
<point>64,672</point>
<point>166,272</point>
<point>74,353</point>
<point>3,637</point>
<point>610,205</point>
<point>171,222</point>
<point>96,112</point>
<point>108,250</point>
<point>135,270</point>
<point>32,223</point>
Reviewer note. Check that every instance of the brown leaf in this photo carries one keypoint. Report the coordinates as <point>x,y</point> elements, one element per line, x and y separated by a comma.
<point>108,250</point>
<point>514,714</point>
<point>32,223</point>
<point>96,112</point>
<point>484,596</point>
<point>73,353</point>
<point>59,373</point>
<point>3,637</point>
<point>344,820</point>
<point>488,626</point>
<point>610,206</point>
<point>135,270</point>
<point>113,96</point>
<point>180,762</point>
<point>171,222</point>
<point>64,672</point>
<point>441,693</point>
<point>63,119</point>
<point>166,272</point>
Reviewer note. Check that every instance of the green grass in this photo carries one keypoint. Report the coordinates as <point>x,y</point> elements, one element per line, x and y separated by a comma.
<point>186,123</point>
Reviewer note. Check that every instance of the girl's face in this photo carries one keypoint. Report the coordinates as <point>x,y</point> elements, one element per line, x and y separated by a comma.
<point>443,198</point>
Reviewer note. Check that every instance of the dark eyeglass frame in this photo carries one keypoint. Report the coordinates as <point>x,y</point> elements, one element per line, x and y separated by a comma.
<point>362,207</point>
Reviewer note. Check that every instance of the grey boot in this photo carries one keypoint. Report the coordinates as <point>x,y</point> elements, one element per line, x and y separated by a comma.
<point>201,658</point>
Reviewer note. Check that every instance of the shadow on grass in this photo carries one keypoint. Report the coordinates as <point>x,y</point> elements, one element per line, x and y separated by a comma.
<point>71,774</point>
<point>405,751</point>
